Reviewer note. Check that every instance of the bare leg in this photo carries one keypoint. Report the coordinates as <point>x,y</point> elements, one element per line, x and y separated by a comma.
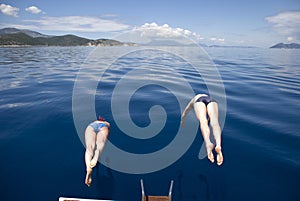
<point>100,143</point>
<point>212,109</point>
<point>200,111</point>
<point>88,177</point>
<point>90,141</point>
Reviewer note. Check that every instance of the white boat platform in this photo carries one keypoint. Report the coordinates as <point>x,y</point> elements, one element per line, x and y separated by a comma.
<point>80,199</point>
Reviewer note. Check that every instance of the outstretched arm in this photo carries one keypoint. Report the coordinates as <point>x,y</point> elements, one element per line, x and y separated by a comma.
<point>186,111</point>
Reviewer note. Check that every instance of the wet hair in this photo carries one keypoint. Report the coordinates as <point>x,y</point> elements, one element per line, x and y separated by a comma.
<point>101,118</point>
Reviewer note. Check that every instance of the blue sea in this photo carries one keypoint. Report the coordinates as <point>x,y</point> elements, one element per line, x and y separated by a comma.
<point>41,124</point>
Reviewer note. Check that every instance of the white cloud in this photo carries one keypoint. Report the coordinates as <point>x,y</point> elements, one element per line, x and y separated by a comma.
<point>164,31</point>
<point>286,23</point>
<point>152,31</point>
<point>77,24</point>
<point>33,9</point>
<point>214,39</point>
<point>9,10</point>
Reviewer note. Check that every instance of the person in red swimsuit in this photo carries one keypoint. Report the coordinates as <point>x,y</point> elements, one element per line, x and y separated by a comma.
<point>206,111</point>
<point>96,135</point>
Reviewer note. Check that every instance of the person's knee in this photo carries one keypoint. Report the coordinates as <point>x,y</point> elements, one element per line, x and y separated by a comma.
<point>204,126</point>
<point>214,123</point>
<point>203,122</point>
<point>100,144</point>
<point>90,148</point>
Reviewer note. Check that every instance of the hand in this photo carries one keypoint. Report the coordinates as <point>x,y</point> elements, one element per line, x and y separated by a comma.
<point>182,123</point>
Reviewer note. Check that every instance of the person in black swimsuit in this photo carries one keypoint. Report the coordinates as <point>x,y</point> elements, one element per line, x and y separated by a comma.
<point>204,106</point>
<point>96,135</point>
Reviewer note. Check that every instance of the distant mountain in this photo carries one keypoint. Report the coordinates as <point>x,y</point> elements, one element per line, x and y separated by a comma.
<point>66,40</point>
<point>231,46</point>
<point>33,34</point>
<point>17,37</point>
<point>24,39</point>
<point>105,42</point>
<point>286,46</point>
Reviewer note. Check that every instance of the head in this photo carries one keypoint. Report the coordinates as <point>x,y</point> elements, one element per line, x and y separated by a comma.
<point>101,118</point>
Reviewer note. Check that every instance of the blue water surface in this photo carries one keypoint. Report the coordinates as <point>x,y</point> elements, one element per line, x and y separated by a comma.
<point>42,157</point>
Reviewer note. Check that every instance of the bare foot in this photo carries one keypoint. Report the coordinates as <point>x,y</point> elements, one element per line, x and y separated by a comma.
<point>94,160</point>
<point>210,155</point>
<point>219,155</point>
<point>88,178</point>
<point>93,163</point>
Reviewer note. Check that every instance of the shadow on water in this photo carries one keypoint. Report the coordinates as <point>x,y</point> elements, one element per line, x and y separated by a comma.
<point>104,182</point>
<point>205,190</point>
<point>199,179</point>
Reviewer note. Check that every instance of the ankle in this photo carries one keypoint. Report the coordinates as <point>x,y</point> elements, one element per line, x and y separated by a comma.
<point>218,148</point>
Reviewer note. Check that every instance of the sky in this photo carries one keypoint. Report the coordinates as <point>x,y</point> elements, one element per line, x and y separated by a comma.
<point>261,23</point>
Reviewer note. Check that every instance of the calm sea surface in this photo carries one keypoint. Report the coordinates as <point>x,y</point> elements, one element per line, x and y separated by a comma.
<point>42,156</point>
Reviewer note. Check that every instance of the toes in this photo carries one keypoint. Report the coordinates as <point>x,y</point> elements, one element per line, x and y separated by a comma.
<point>219,158</point>
<point>211,157</point>
<point>88,179</point>
<point>88,183</point>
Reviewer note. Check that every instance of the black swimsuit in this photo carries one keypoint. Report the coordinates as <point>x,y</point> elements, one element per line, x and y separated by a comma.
<point>205,99</point>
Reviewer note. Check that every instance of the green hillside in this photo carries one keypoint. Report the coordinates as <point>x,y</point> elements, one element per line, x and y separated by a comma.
<point>18,39</point>
<point>22,38</point>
